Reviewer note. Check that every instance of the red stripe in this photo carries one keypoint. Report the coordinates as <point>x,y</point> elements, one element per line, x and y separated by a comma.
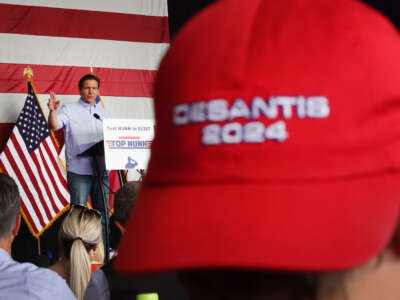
<point>23,207</point>
<point>54,142</point>
<point>58,139</point>
<point>75,23</point>
<point>46,184</point>
<point>24,185</point>
<point>63,80</point>
<point>58,172</point>
<point>34,180</point>
<point>53,176</point>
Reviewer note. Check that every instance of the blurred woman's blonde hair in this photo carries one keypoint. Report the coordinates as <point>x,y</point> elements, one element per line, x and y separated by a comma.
<point>81,239</point>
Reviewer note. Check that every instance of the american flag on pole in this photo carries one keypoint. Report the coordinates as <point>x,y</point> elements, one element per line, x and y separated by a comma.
<point>31,158</point>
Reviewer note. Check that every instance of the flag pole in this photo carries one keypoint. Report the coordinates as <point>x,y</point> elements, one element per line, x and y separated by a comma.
<point>28,73</point>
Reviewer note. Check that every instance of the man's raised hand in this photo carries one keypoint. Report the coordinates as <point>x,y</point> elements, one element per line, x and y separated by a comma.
<point>53,103</point>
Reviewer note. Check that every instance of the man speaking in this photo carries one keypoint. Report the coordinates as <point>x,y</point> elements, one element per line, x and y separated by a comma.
<point>82,124</point>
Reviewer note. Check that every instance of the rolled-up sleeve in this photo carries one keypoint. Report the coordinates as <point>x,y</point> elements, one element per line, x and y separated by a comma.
<point>62,116</point>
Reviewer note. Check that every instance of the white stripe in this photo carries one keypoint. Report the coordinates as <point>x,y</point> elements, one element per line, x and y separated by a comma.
<point>36,174</point>
<point>119,107</point>
<point>140,7</point>
<point>53,151</point>
<point>52,170</point>
<point>28,182</point>
<point>129,108</point>
<point>61,51</point>
<point>24,197</point>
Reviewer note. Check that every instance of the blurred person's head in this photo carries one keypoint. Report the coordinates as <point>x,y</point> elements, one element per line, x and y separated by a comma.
<point>81,239</point>
<point>124,201</point>
<point>10,218</point>
<point>277,155</point>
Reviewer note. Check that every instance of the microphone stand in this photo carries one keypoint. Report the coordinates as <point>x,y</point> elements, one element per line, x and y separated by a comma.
<point>94,152</point>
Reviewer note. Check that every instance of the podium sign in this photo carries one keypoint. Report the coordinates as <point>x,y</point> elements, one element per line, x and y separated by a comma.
<point>127,143</point>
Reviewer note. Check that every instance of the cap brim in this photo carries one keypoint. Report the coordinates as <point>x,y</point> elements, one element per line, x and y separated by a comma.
<point>321,225</point>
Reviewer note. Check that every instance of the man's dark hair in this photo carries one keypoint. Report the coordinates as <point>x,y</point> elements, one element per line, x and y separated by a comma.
<point>88,77</point>
<point>124,200</point>
<point>9,204</point>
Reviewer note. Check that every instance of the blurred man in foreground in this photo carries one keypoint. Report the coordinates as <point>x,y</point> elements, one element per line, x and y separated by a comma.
<point>281,120</point>
<point>22,280</point>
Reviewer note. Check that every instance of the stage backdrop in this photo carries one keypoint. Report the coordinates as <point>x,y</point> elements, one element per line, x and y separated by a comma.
<point>123,40</point>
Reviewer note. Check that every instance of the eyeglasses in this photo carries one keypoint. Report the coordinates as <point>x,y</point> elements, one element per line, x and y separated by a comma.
<point>85,209</point>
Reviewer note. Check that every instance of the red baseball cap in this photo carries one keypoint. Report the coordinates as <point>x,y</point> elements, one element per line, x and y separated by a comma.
<point>278,141</point>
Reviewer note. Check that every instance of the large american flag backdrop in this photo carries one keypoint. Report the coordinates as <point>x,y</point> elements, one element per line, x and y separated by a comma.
<point>60,40</point>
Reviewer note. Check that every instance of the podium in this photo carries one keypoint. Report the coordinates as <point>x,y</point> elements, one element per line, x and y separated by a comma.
<point>96,152</point>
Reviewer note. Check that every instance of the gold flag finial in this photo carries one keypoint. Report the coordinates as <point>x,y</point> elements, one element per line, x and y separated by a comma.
<point>91,69</point>
<point>28,72</point>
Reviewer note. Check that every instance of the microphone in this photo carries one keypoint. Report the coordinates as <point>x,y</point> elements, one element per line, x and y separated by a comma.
<point>97,117</point>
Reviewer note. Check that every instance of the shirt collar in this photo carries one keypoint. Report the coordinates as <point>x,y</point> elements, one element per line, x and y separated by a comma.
<point>85,105</point>
<point>4,253</point>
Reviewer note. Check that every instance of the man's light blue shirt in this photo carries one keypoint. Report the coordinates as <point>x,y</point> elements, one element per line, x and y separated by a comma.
<point>81,131</point>
<point>21,281</point>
